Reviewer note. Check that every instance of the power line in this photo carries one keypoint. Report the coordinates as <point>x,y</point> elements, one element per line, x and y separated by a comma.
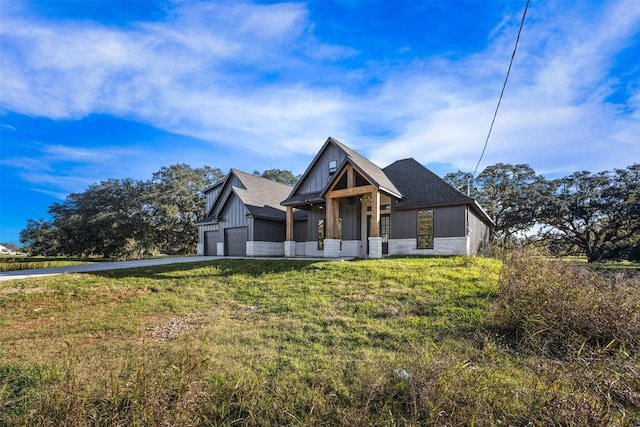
<point>504,85</point>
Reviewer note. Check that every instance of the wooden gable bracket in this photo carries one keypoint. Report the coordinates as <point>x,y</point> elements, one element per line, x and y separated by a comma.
<point>333,197</point>
<point>351,189</point>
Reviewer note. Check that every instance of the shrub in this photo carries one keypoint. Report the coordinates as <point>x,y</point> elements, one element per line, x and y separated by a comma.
<point>560,309</point>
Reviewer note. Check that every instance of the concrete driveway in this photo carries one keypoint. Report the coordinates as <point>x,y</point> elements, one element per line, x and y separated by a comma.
<point>100,266</point>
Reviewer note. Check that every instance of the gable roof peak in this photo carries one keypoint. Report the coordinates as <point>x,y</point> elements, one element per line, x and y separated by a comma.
<point>372,172</point>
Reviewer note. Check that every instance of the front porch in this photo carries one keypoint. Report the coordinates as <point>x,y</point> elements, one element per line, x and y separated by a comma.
<point>369,212</point>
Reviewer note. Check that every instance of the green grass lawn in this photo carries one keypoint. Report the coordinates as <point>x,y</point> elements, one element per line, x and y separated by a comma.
<point>274,342</point>
<point>23,262</point>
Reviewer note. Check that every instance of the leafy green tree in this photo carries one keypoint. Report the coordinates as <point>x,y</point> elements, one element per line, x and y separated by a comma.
<point>40,238</point>
<point>127,218</point>
<point>279,175</point>
<point>463,182</point>
<point>597,213</point>
<point>511,195</point>
<point>104,220</point>
<point>176,197</point>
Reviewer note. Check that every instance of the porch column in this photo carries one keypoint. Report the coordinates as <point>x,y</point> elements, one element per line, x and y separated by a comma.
<point>289,221</point>
<point>375,241</point>
<point>331,241</point>
<point>290,243</point>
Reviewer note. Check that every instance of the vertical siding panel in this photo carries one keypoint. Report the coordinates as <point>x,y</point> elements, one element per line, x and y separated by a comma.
<point>318,177</point>
<point>403,224</point>
<point>313,216</point>
<point>449,221</point>
<point>269,231</point>
<point>479,232</point>
<point>234,213</point>
<point>350,212</point>
<point>300,231</point>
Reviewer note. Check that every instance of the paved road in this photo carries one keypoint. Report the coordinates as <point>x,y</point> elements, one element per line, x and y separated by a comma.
<point>99,266</point>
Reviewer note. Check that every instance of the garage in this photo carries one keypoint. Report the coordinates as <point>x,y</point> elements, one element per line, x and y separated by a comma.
<point>211,240</point>
<point>235,241</point>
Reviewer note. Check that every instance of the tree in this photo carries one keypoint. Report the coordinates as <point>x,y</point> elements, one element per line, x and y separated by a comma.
<point>278,175</point>
<point>597,213</point>
<point>511,195</point>
<point>176,197</point>
<point>40,237</point>
<point>109,218</point>
<point>463,182</point>
<point>127,218</point>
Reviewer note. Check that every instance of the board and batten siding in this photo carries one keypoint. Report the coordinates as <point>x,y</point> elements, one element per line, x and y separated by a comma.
<point>313,216</point>
<point>351,212</point>
<point>450,221</point>
<point>300,230</point>
<point>447,222</point>
<point>225,191</point>
<point>319,175</point>
<point>234,213</point>
<point>263,230</point>
<point>211,196</point>
<point>479,233</point>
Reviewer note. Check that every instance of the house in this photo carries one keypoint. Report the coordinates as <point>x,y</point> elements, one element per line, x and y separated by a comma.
<point>6,251</point>
<point>244,217</point>
<point>343,206</point>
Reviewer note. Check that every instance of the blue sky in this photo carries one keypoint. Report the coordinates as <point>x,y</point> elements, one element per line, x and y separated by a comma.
<point>91,90</point>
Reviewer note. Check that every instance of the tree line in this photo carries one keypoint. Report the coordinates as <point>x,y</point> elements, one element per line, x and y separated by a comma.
<point>596,214</point>
<point>127,218</point>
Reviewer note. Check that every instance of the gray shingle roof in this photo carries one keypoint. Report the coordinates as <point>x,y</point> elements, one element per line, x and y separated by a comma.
<point>422,188</point>
<point>262,196</point>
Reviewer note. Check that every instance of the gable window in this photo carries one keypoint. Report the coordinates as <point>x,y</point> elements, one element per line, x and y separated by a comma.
<point>333,166</point>
<point>425,229</point>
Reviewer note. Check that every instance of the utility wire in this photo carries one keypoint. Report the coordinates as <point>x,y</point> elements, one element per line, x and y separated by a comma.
<point>504,85</point>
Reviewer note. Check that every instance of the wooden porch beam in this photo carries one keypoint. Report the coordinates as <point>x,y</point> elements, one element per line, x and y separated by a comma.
<point>289,223</point>
<point>351,178</point>
<point>331,219</point>
<point>350,192</point>
<point>375,213</point>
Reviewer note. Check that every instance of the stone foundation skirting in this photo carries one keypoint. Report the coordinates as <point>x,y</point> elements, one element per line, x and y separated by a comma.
<point>441,246</point>
<point>265,248</point>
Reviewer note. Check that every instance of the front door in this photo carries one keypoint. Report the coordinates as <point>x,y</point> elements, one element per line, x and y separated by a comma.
<point>385,230</point>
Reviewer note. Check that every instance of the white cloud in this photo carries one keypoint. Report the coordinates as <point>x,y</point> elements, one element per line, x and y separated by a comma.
<point>255,76</point>
<point>27,164</point>
<point>554,116</point>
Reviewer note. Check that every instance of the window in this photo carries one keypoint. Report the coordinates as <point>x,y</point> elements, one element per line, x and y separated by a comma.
<point>425,229</point>
<point>333,166</point>
<point>320,234</point>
